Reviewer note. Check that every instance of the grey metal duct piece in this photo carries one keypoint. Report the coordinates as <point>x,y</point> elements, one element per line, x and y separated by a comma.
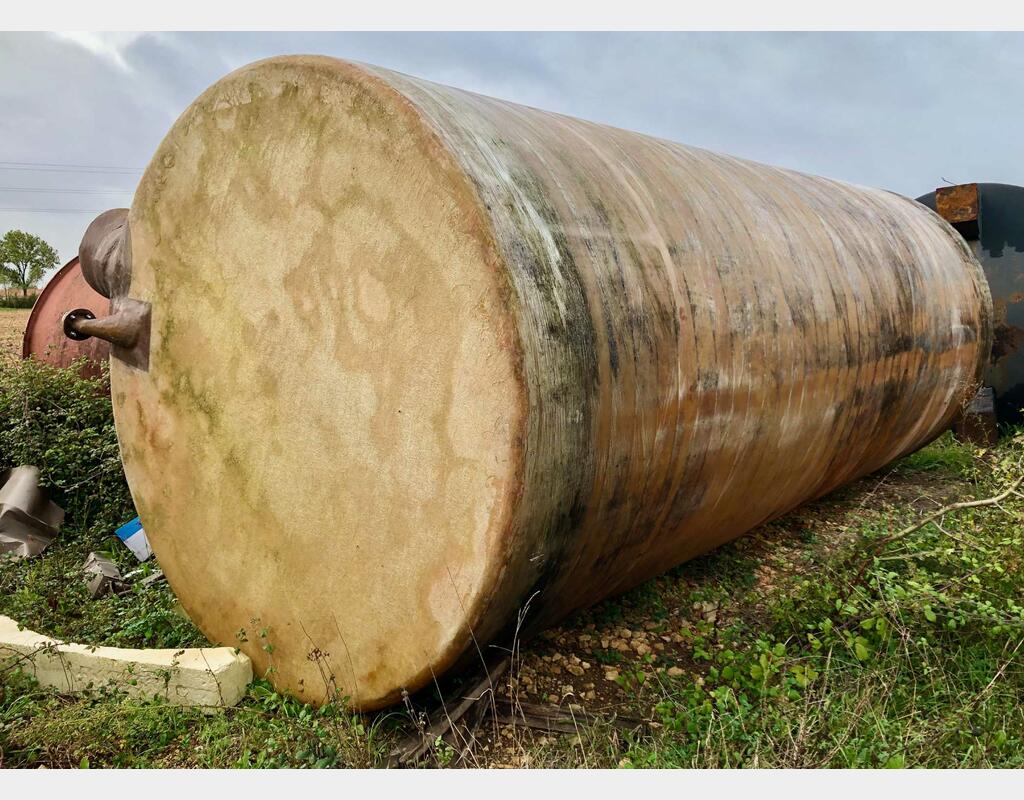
<point>103,575</point>
<point>29,520</point>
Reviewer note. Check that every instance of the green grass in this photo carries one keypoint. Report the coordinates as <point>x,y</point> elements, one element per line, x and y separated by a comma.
<point>266,730</point>
<point>822,639</point>
<point>901,651</point>
<point>945,454</point>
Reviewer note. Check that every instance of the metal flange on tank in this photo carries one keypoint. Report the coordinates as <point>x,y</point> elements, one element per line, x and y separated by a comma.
<point>990,218</point>
<point>400,370</point>
<point>105,258</point>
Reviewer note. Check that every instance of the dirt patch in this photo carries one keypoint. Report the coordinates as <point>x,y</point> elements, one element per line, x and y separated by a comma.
<point>12,329</point>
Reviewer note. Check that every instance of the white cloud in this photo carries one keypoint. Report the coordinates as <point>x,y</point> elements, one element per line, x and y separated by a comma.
<point>110,45</point>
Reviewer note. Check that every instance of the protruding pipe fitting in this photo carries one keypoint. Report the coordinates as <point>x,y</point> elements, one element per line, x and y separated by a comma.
<point>71,320</point>
<point>121,329</point>
<point>106,258</point>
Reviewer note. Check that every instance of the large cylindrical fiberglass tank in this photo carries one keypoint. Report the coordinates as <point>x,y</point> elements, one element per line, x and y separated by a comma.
<point>419,358</point>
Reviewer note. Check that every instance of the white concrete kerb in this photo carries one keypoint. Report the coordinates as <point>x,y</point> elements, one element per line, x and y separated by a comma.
<point>207,676</point>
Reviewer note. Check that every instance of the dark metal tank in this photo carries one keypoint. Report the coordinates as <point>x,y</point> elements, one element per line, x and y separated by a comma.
<point>990,217</point>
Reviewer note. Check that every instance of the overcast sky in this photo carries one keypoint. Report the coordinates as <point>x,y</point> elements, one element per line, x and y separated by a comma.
<point>901,111</point>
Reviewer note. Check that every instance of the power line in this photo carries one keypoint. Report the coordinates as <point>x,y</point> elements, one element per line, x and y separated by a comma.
<point>64,191</point>
<point>38,166</point>
<point>54,210</point>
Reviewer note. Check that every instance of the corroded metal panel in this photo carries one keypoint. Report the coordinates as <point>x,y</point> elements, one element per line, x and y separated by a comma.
<point>957,203</point>
<point>425,365</point>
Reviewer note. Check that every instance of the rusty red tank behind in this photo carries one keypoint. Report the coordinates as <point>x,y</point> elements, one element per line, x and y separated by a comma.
<point>44,334</point>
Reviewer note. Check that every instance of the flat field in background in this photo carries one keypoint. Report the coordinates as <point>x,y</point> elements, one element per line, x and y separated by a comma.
<point>12,328</point>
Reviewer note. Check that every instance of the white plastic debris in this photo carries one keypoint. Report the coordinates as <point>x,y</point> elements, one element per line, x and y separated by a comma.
<point>134,536</point>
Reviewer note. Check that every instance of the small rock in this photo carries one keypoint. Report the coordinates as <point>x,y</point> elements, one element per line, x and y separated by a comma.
<point>708,610</point>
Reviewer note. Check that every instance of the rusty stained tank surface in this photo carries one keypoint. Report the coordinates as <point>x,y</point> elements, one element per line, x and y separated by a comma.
<point>44,333</point>
<point>424,366</point>
<point>990,217</point>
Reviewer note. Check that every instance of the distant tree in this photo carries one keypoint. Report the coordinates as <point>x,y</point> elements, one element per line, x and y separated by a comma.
<point>24,258</point>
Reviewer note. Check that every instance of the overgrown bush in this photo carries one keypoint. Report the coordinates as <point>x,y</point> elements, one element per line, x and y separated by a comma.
<point>18,301</point>
<point>63,423</point>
